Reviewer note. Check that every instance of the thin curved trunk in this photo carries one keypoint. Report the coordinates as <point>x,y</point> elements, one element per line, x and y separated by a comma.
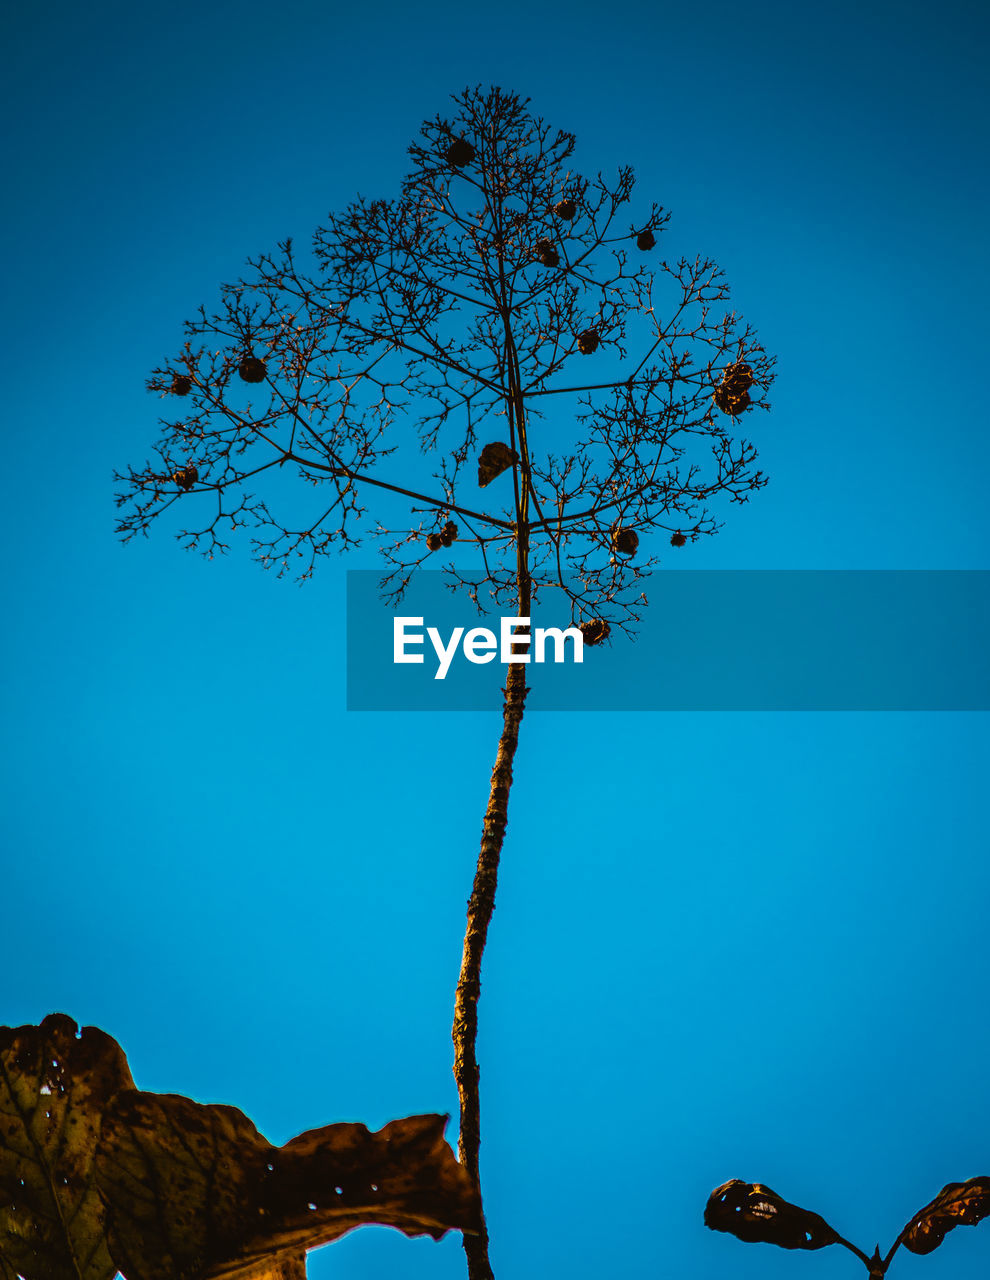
<point>481,904</point>
<point>480,908</point>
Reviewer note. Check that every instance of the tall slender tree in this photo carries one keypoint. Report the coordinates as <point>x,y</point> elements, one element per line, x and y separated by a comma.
<point>504,325</point>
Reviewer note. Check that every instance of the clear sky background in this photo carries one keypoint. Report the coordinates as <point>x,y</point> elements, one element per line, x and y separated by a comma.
<point>748,945</point>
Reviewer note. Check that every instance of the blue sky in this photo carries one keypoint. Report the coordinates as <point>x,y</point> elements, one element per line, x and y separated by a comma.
<point>745,945</point>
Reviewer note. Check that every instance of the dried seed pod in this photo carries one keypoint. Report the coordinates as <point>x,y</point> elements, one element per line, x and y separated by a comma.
<point>677,539</point>
<point>588,342</point>
<point>181,384</point>
<point>459,153</point>
<point>546,254</point>
<point>597,631</point>
<point>252,369</point>
<point>448,533</point>
<point>645,240</point>
<point>730,402</point>
<point>434,541</point>
<point>495,458</point>
<point>625,541</point>
<point>186,477</point>
<point>957,1204</point>
<point>738,376</point>
<point>754,1213</point>
<point>732,393</point>
<point>565,209</point>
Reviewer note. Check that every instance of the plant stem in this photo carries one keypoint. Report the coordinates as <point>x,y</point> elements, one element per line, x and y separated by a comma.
<point>480,908</point>
<point>481,904</point>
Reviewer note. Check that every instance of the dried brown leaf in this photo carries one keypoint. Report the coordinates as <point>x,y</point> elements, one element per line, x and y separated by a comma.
<point>195,1192</point>
<point>494,459</point>
<point>754,1213</point>
<point>54,1087</point>
<point>275,1266</point>
<point>957,1204</point>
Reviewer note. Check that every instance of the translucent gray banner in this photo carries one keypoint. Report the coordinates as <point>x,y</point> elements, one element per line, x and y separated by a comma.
<point>755,640</point>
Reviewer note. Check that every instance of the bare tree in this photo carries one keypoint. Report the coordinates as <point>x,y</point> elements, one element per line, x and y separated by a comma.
<point>504,324</point>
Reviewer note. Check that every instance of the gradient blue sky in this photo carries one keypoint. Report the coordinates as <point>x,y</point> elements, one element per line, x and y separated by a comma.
<point>746,945</point>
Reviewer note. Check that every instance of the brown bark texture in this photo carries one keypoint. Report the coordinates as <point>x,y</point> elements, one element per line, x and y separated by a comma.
<point>480,907</point>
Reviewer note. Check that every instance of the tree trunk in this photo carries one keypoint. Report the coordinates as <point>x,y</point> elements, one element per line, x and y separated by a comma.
<point>480,908</point>
<point>481,904</point>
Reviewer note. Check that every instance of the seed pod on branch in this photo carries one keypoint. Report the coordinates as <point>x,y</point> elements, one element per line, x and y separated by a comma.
<point>460,153</point>
<point>738,377</point>
<point>495,458</point>
<point>625,541</point>
<point>731,404</point>
<point>752,1212</point>
<point>597,631</point>
<point>546,254</point>
<point>252,369</point>
<point>732,393</point>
